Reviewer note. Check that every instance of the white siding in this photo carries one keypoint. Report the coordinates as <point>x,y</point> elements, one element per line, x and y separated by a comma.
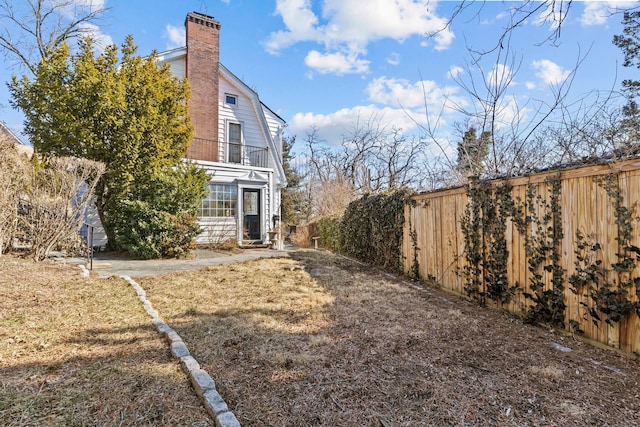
<point>274,123</point>
<point>177,60</point>
<point>92,219</point>
<point>242,113</point>
<point>217,231</point>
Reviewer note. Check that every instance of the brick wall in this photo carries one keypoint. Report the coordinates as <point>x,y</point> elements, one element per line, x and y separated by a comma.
<point>202,70</point>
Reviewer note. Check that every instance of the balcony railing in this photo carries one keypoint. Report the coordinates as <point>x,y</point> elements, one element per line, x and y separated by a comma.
<point>227,152</point>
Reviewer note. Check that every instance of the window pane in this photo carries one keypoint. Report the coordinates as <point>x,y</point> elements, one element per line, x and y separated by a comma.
<point>234,133</point>
<point>221,201</point>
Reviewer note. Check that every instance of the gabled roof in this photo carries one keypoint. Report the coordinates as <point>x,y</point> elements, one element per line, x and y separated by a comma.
<point>168,55</point>
<point>7,133</point>
<point>9,136</point>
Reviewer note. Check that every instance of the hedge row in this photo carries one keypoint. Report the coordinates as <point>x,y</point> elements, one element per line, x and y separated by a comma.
<point>370,230</point>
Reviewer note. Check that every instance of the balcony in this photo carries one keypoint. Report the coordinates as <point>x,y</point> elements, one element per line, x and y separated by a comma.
<point>226,152</point>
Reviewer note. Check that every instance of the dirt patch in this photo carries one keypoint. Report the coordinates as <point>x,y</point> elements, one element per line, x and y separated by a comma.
<point>80,352</point>
<point>317,339</point>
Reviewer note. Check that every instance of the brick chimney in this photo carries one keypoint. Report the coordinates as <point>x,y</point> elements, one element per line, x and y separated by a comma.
<point>202,70</point>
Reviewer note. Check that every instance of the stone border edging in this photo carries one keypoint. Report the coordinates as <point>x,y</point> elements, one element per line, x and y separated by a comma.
<point>203,384</point>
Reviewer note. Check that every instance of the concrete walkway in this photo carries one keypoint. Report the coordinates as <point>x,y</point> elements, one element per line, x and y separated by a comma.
<point>107,264</point>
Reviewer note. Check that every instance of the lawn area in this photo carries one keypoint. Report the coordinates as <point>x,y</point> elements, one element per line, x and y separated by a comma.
<point>82,352</point>
<point>316,339</point>
<point>309,339</point>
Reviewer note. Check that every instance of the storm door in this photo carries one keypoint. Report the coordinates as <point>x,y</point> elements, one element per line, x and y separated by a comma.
<point>251,214</point>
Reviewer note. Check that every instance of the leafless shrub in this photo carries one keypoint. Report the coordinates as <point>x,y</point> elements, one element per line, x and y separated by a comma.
<point>220,233</point>
<point>13,173</point>
<point>301,237</point>
<point>53,204</point>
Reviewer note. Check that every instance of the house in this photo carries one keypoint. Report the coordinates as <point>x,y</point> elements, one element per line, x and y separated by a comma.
<point>237,140</point>
<point>7,135</point>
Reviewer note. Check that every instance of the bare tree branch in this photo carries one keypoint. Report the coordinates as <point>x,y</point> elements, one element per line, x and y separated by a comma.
<point>31,34</point>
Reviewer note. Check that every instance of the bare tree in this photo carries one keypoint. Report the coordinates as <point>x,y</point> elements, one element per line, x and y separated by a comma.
<point>550,13</point>
<point>31,30</point>
<point>510,128</point>
<point>371,158</point>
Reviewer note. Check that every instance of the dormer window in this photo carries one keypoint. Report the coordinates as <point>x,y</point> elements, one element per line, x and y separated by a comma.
<point>231,100</point>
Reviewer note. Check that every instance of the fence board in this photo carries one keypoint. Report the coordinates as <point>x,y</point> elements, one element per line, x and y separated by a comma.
<point>585,206</point>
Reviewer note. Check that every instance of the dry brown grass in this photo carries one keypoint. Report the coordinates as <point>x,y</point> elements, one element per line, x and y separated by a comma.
<point>82,352</point>
<point>313,339</point>
<point>316,339</point>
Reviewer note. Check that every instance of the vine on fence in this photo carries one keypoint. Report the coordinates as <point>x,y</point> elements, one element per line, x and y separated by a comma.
<point>542,230</point>
<point>539,221</point>
<point>471,225</point>
<point>609,298</point>
<point>498,256</point>
<point>588,275</point>
<point>484,224</point>
<point>414,273</point>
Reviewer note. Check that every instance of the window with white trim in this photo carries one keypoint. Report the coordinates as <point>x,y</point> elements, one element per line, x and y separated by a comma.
<point>234,141</point>
<point>231,100</point>
<point>222,201</point>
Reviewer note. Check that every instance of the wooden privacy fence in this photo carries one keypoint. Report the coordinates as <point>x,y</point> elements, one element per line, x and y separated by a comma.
<point>560,246</point>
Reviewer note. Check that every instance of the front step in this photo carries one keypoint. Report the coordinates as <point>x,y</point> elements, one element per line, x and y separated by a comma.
<point>253,244</point>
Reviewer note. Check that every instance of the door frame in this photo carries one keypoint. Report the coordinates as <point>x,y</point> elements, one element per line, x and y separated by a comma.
<point>260,191</point>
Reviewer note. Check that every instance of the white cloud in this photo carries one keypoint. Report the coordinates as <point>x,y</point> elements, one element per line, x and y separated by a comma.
<point>300,21</point>
<point>553,15</point>
<point>337,63</point>
<point>598,12</point>
<point>364,20</point>
<point>454,72</point>
<point>395,102</point>
<point>71,6</point>
<point>510,112</point>
<point>393,58</point>
<point>550,72</point>
<point>100,39</point>
<point>176,35</point>
<point>347,27</point>
<point>402,93</point>
<point>332,127</point>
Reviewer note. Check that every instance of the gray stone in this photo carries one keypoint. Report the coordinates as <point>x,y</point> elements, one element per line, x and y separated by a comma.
<point>561,348</point>
<point>179,349</point>
<point>227,419</point>
<point>160,325</point>
<point>189,363</point>
<point>214,403</point>
<point>201,381</point>
<point>172,336</point>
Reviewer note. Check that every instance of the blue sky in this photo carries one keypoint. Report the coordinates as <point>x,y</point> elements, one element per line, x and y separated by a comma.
<point>331,63</point>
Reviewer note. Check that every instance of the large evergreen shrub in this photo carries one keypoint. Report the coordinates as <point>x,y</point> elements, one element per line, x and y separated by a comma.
<point>148,233</point>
